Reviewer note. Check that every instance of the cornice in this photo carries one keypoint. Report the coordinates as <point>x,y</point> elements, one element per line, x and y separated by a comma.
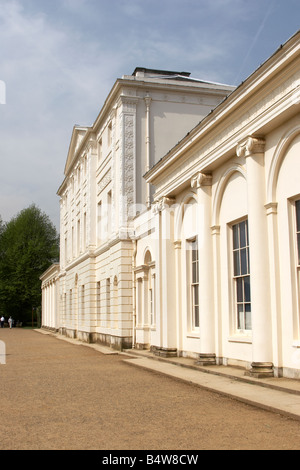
<point>50,273</point>
<point>245,93</point>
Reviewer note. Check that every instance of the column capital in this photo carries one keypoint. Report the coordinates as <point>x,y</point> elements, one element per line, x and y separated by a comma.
<point>162,204</point>
<point>148,100</point>
<point>251,146</point>
<point>91,146</point>
<point>201,179</point>
<point>129,103</point>
<point>177,244</point>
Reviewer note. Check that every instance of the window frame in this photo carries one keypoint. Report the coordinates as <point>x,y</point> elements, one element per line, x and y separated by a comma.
<point>194,293</point>
<point>241,275</point>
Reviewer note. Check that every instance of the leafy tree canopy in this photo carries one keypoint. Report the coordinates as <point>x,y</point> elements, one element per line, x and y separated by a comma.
<point>29,244</point>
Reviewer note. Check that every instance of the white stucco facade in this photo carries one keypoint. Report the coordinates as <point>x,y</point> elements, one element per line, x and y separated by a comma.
<point>200,252</point>
<point>144,116</point>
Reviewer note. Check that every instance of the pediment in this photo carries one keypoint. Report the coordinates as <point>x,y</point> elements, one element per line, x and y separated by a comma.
<point>78,135</point>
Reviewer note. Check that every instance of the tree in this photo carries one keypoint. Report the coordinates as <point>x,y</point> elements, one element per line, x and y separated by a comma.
<point>29,244</point>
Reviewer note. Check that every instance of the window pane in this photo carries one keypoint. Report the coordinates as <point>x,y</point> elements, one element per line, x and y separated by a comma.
<point>237,269</point>
<point>244,267</point>
<point>197,322</point>
<point>248,258</point>
<point>239,290</point>
<point>236,243</point>
<point>240,317</point>
<point>298,238</point>
<point>243,234</point>
<point>194,273</point>
<point>194,250</point>
<point>196,295</point>
<point>248,322</point>
<point>298,215</point>
<point>247,232</point>
<point>247,292</point>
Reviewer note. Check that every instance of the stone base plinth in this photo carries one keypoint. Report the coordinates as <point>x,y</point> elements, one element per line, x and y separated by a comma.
<point>164,352</point>
<point>206,360</point>
<point>260,370</point>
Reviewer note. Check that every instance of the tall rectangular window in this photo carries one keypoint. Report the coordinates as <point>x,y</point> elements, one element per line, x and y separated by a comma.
<point>241,262</point>
<point>151,298</point>
<point>78,238</point>
<point>82,302</point>
<point>100,151</point>
<point>73,242</point>
<point>84,231</point>
<point>108,215</point>
<point>99,222</point>
<point>109,134</point>
<point>98,303</point>
<point>298,228</point>
<point>108,302</point>
<point>195,283</point>
<point>70,305</point>
<point>66,250</point>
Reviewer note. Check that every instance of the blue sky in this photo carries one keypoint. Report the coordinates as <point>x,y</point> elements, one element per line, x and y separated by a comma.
<point>60,58</point>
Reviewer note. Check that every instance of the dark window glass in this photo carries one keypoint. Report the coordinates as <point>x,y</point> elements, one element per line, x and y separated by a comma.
<point>241,266</point>
<point>195,284</point>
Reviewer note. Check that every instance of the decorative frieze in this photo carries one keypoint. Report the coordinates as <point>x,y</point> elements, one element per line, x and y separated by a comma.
<point>129,158</point>
<point>107,178</point>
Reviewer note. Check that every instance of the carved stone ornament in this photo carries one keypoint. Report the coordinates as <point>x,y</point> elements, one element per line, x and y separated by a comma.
<point>250,146</point>
<point>201,179</point>
<point>162,204</point>
<point>107,178</point>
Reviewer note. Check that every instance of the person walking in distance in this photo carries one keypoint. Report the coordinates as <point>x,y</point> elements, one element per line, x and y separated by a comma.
<point>10,322</point>
<point>2,321</point>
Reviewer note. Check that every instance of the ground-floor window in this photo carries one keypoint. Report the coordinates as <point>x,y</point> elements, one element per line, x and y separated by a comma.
<point>241,263</point>
<point>195,283</point>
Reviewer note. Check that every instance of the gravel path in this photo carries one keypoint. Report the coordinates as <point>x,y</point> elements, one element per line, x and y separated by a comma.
<point>59,396</point>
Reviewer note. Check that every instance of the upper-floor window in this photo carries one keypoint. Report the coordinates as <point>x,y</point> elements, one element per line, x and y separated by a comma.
<point>78,177</point>
<point>100,150</point>
<point>241,263</point>
<point>298,228</point>
<point>109,134</point>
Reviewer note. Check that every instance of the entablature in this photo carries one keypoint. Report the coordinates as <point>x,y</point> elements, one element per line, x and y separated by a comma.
<point>215,139</point>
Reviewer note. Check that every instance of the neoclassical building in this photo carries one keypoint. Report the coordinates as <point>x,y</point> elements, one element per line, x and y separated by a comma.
<point>89,295</point>
<point>180,223</point>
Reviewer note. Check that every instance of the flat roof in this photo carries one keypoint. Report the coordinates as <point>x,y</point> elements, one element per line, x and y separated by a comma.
<point>159,72</point>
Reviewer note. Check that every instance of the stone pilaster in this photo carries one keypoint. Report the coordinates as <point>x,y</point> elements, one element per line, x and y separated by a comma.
<point>202,182</point>
<point>166,278</point>
<point>252,149</point>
